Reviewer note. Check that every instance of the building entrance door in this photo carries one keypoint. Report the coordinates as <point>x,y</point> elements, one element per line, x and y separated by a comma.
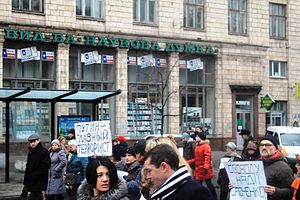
<point>244,116</point>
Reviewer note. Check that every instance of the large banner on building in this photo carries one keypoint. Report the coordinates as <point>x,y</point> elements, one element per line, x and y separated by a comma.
<point>93,138</point>
<point>248,179</point>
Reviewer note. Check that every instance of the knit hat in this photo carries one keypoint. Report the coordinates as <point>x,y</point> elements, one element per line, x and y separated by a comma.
<point>139,147</point>
<point>244,132</point>
<point>201,135</point>
<point>72,142</point>
<point>231,145</point>
<point>130,151</point>
<point>186,136</point>
<point>33,137</point>
<point>56,141</point>
<point>251,145</point>
<point>271,139</point>
<point>121,138</point>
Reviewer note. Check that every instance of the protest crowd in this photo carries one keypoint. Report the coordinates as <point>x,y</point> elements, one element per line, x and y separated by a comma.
<point>154,169</point>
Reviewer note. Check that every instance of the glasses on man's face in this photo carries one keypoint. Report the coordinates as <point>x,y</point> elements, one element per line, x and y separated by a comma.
<point>266,145</point>
<point>32,141</point>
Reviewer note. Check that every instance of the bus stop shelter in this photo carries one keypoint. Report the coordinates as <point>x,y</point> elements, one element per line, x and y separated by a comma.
<point>8,95</point>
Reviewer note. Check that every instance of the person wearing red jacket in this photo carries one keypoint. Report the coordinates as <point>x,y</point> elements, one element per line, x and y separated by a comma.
<point>203,163</point>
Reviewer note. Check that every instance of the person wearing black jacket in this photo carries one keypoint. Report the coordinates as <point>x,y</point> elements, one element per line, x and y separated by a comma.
<point>246,135</point>
<point>169,180</point>
<point>37,166</point>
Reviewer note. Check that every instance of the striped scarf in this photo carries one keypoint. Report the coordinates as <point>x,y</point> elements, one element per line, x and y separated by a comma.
<point>171,184</point>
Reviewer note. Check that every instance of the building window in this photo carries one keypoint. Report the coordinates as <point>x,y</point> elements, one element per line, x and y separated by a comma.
<point>194,14</point>
<point>144,11</point>
<point>277,115</point>
<point>278,69</point>
<point>89,8</point>
<point>38,72</point>
<point>28,5</point>
<point>197,94</point>
<point>277,20</point>
<point>237,16</point>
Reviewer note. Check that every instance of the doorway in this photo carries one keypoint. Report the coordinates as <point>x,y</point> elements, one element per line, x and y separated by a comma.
<point>244,116</point>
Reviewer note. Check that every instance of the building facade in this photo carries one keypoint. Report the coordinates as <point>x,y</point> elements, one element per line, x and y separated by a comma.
<point>204,62</point>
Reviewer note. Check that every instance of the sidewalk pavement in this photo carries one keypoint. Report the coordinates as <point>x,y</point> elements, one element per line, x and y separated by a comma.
<point>13,190</point>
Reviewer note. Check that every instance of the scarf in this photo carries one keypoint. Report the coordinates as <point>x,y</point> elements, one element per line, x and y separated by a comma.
<point>171,184</point>
<point>296,185</point>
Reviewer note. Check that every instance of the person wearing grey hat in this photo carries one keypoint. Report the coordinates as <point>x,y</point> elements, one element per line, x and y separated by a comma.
<point>223,180</point>
<point>37,166</point>
<point>279,175</point>
<point>56,185</point>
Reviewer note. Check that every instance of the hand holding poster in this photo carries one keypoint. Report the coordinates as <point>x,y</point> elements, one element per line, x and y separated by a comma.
<point>248,180</point>
<point>93,138</point>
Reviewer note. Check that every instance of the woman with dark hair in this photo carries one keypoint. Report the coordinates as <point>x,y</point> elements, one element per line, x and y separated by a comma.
<point>102,182</point>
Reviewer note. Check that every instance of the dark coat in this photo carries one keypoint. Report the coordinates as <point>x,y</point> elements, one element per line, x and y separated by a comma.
<point>245,145</point>
<point>190,190</point>
<point>119,192</point>
<point>55,175</point>
<point>279,174</point>
<point>189,149</point>
<point>37,166</point>
<point>77,165</point>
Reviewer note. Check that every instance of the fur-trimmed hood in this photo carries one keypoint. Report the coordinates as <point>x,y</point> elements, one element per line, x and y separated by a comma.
<point>119,192</point>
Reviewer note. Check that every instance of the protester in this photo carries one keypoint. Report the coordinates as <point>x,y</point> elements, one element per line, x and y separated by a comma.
<point>76,168</point>
<point>170,180</point>
<point>246,136</point>
<point>223,180</point>
<point>203,163</point>
<point>63,144</point>
<point>147,186</point>
<point>251,152</point>
<point>279,175</point>
<point>296,182</point>
<point>71,134</point>
<point>117,160</point>
<point>102,182</point>
<point>121,146</point>
<point>188,146</point>
<point>134,185</point>
<point>56,186</point>
<point>37,166</point>
<point>132,165</point>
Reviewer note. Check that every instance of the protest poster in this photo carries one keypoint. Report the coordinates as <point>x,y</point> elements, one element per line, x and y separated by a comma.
<point>93,138</point>
<point>248,180</point>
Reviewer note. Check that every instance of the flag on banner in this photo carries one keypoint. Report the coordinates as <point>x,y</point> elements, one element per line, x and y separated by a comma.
<point>160,62</point>
<point>90,58</point>
<point>107,59</point>
<point>9,53</point>
<point>131,60</point>
<point>47,55</point>
<point>28,54</point>
<point>146,61</point>
<point>195,64</point>
<point>182,64</point>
